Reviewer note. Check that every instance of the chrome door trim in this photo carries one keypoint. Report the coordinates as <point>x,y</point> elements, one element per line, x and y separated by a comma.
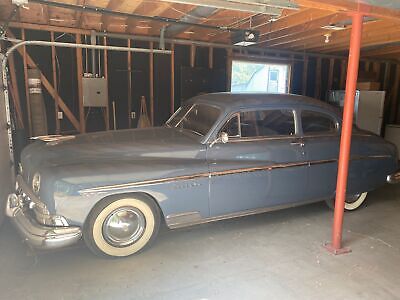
<point>221,173</point>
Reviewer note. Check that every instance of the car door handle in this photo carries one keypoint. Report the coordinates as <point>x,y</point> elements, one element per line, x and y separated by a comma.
<point>297,143</point>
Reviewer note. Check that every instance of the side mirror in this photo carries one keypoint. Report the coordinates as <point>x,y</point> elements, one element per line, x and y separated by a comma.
<point>222,138</point>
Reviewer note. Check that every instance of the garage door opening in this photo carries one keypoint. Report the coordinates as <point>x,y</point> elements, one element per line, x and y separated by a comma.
<point>259,77</point>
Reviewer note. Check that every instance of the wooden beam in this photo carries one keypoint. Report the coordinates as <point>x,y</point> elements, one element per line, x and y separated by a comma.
<point>301,29</point>
<point>305,75</point>
<point>318,81</point>
<point>296,19</point>
<point>351,6</point>
<point>341,38</point>
<point>129,62</point>
<point>15,91</point>
<point>382,51</point>
<point>33,26</point>
<point>151,73</point>
<point>395,96</point>
<point>55,81</point>
<point>172,104</point>
<point>331,73</point>
<point>79,76</point>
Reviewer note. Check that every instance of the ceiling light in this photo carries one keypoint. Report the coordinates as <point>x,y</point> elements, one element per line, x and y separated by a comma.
<point>143,26</point>
<point>335,27</point>
<point>327,37</point>
<point>245,37</point>
<point>189,32</point>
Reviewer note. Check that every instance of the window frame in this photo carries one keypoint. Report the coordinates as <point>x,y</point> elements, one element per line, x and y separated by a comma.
<point>260,138</point>
<point>322,112</point>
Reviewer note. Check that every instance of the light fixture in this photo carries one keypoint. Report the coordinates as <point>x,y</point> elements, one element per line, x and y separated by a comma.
<point>327,37</point>
<point>143,26</point>
<point>245,37</point>
<point>335,27</point>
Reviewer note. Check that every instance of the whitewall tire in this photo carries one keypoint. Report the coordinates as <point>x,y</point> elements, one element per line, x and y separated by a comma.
<point>351,203</point>
<point>122,226</point>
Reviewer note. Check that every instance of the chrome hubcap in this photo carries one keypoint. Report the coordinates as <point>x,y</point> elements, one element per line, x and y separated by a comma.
<point>124,226</point>
<point>352,199</point>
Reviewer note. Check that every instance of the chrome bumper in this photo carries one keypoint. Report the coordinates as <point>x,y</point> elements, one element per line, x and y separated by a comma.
<point>37,235</point>
<point>393,178</point>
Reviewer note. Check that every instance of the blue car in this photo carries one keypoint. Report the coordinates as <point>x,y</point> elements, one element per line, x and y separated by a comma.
<point>219,156</point>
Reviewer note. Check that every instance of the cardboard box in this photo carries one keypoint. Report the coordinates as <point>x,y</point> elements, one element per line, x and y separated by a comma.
<point>368,86</point>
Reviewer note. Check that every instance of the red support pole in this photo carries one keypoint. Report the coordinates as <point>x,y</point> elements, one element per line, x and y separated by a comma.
<point>345,141</point>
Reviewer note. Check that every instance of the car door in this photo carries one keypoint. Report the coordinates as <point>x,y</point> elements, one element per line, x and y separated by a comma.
<point>262,165</point>
<point>322,139</point>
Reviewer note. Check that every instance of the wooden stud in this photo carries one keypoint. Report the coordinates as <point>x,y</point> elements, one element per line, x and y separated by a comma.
<point>15,92</point>
<point>330,74</point>
<point>55,83</point>
<point>28,61</point>
<point>305,75</point>
<point>129,84</point>
<point>376,68</point>
<point>79,75</point>
<point>172,105</point>
<point>343,74</point>
<point>229,58</point>
<point>151,66</point>
<point>318,81</point>
<point>192,56</point>
<point>367,66</point>
<point>105,62</point>
<point>386,77</point>
<point>395,94</point>
<point>210,57</point>
<point>24,61</point>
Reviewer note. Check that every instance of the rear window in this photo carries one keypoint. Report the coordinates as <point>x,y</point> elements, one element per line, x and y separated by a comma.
<point>316,122</point>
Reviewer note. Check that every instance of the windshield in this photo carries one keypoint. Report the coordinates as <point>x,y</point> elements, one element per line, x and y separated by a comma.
<point>198,118</point>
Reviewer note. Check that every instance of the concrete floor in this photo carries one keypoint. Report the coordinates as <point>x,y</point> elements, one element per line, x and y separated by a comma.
<point>271,256</point>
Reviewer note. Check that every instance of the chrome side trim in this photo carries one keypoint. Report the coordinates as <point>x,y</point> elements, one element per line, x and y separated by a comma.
<point>237,214</point>
<point>221,173</point>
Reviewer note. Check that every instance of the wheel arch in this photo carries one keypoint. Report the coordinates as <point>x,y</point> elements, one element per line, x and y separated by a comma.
<point>137,194</point>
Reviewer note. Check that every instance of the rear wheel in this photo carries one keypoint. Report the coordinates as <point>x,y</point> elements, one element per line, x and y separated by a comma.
<point>119,227</point>
<point>351,203</point>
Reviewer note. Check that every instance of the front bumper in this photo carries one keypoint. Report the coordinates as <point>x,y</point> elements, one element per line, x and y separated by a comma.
<point>393,178</point>
<point>36,235</point>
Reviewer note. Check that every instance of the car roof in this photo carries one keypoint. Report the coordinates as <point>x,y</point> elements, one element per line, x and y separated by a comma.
<point>233,101</point>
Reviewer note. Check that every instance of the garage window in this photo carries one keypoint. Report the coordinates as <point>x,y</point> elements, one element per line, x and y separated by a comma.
<point>259,77</point>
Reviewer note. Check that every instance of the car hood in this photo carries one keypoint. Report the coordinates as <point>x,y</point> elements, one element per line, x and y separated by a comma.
<point>112,146</point>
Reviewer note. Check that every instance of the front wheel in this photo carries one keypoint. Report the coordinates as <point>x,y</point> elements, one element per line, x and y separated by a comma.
<point>351,203</point>
<point>119,227</point>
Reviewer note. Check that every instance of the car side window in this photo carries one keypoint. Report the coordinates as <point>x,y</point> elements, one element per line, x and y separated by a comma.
<point>232,127</point>
<point>264,123</point>
<point>316,122</point>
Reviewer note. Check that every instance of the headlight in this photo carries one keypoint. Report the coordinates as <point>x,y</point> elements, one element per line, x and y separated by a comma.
<point>36,183</point>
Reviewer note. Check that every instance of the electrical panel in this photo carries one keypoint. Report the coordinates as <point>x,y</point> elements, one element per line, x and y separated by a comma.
<point>95,92</point>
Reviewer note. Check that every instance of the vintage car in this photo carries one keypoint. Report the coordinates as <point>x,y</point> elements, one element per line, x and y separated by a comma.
<point>219,156</point>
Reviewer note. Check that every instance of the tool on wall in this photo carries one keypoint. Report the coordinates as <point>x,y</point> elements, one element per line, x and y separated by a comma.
<point>144,120</point>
